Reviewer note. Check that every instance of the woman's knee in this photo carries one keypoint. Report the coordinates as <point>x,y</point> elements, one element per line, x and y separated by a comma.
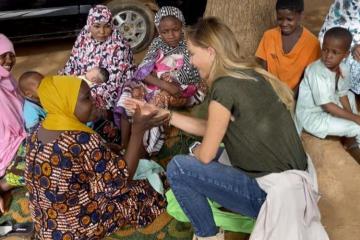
<point>178,165</point>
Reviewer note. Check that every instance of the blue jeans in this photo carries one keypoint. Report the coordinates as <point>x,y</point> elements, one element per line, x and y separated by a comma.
<point>193,181</point>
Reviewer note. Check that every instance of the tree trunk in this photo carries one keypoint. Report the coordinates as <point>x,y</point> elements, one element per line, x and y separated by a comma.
<point>247,18</point>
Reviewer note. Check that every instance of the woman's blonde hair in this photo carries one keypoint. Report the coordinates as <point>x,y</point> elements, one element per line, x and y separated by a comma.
<point>212,32</point>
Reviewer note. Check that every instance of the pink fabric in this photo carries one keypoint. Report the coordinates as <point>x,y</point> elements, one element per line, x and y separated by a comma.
<point>5,45</point>
<point>12,131</point>
<point>169,63</point>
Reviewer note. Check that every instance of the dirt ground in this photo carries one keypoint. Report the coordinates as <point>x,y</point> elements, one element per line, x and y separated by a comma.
<point>48,57</point>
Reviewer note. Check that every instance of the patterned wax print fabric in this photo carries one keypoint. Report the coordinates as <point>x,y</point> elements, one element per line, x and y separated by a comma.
<point>113,54</point>
<point>346,14</point>
<point>79,189</point>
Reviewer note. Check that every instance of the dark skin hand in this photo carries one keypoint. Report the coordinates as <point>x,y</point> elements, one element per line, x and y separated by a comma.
<point>169,87</point>
<point>141,123</point>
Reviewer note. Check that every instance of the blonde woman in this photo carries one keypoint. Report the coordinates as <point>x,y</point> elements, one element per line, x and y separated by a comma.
<point>250,112</point>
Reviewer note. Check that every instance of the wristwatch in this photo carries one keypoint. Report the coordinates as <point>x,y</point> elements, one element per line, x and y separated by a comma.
<point>192,147</point>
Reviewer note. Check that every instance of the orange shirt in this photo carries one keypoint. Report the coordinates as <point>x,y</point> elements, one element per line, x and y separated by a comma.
<point>288,67</point>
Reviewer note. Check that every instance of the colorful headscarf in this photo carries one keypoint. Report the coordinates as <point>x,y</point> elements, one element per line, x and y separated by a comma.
<point>58,96</point>
<point>99,14</point>
<point>185,75</point>
<point>168,11</point>
<point>12,131</point>
<point>114,54</point>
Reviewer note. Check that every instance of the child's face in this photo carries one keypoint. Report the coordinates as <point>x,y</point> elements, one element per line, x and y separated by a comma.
<point>94,76</point>
<point>288,21</point>
<point>170,30</point>
<point>333,52</point>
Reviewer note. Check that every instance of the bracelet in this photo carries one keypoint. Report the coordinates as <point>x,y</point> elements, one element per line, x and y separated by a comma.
<point>169,117</point>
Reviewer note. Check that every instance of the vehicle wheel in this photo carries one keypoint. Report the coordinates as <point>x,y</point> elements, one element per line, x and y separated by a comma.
<point>135,21</point>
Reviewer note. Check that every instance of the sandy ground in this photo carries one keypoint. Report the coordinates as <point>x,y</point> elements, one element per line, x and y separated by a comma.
<point>48,57</point>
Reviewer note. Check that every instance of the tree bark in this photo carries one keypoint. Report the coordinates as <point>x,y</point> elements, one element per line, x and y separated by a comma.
<point>247,18</point>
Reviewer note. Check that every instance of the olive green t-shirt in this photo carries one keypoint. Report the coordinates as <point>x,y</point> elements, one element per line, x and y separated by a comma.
<point>261,137</point>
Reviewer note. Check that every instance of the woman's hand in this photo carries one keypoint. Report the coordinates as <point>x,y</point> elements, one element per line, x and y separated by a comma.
<point>131,104</point>
<point>145,118</point>
<point>356,52</point>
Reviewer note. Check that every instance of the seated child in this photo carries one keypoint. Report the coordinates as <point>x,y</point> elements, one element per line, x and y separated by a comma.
<point>325,106</point>
<point>286,50</point>
<point>165,78</point>
<point>95,76</point>
<point>33,112</point>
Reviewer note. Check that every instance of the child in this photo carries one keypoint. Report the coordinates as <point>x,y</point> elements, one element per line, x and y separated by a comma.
<point>95,76</point>
<point>33,112</point>
<point>286,50</point>
<point>325,105</point>
<point>166,77</point>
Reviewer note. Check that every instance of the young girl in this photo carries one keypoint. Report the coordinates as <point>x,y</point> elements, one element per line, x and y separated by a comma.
<point>165,77</point>
<point>267,178</point>
<point>286,50</point>
<point>323,108</point>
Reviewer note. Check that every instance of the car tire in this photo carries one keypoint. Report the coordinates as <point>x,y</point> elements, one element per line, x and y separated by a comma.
<point>135,21</point>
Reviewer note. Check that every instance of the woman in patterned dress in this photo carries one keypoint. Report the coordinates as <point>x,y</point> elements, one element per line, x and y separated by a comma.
<point>79,188</point>
<point>99,44</point>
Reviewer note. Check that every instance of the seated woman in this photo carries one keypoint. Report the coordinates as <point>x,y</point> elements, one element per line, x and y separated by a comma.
<point>250,112</point>
<point>12,131</point>
<point>79,188</point>
<point>100,44</point>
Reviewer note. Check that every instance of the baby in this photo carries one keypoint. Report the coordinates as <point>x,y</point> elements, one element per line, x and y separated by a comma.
<point>95,76</point>
<point>33,112</point>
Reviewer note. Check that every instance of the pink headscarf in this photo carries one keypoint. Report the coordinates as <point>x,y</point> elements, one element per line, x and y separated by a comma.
<point>12,131</point>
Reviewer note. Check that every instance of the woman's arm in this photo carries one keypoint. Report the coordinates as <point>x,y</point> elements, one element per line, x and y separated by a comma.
<point>191,125</point>
<point>337,111</point>
<point>171,88</point>
<point>195,126</point>
<point>217,124</point>
<point>135,149</point>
